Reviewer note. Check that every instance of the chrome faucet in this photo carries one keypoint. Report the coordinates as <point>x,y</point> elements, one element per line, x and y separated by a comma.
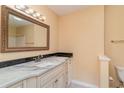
<point>38,58</point>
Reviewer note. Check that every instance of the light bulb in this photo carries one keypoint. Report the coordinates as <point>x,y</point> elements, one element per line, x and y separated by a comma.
<point>43,18</point>
<point>29,11</point>
<point>36,14</point>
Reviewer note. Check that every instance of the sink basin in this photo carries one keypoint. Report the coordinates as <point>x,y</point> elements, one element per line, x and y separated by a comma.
<point>45,65</point>
<point>35,66</point>
<point>29,68</point>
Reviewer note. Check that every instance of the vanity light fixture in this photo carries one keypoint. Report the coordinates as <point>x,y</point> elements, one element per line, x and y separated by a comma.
<point>30,11</point>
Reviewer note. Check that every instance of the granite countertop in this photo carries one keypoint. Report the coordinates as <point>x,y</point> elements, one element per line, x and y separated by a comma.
<point>13,74</point>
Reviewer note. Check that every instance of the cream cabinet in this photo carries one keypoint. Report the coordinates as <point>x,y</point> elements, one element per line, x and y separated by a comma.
<point>49,84</point>
<point>57,82</point>
<point>30,83</point>
<point>69,71</point>
<point>54,78</point>
<point>60,81</point>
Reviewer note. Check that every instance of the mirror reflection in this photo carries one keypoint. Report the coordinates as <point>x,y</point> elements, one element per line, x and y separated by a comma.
<point>23,33</point>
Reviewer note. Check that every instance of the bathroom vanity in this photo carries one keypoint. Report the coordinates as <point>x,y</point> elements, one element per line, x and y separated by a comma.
<point>50,72</point>
<point>57,77</point>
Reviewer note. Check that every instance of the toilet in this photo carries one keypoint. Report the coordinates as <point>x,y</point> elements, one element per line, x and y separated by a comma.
<point>120,75</point>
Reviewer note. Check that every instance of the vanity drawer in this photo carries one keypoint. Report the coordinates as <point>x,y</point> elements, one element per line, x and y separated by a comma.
<point>47,77</point>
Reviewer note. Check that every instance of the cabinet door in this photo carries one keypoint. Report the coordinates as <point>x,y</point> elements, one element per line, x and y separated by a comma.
<point>60,81</point>
<point>17,85</point>
<point>50,76</point>
<point>30,83</point>
<point>49,84</point>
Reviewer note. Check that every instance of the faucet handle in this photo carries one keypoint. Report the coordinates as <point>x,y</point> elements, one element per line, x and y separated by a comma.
<point>40,56</point>
<point>35,59</point>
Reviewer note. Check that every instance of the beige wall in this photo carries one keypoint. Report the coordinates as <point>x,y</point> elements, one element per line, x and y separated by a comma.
<point>51,20</point>
<point>82,33</point>
<point>114,30</point>
<point>40,36</point>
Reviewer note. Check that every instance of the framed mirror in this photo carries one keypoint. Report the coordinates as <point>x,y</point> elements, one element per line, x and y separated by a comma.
<point>22,33</point>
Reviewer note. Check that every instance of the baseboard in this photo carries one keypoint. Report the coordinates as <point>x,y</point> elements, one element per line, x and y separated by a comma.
<point>79,84</point>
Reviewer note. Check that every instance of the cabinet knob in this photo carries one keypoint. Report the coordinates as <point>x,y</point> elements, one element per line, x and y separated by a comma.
<point>56,80</point>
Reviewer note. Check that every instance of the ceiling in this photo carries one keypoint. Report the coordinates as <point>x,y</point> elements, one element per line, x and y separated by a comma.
<point>65,9</point>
